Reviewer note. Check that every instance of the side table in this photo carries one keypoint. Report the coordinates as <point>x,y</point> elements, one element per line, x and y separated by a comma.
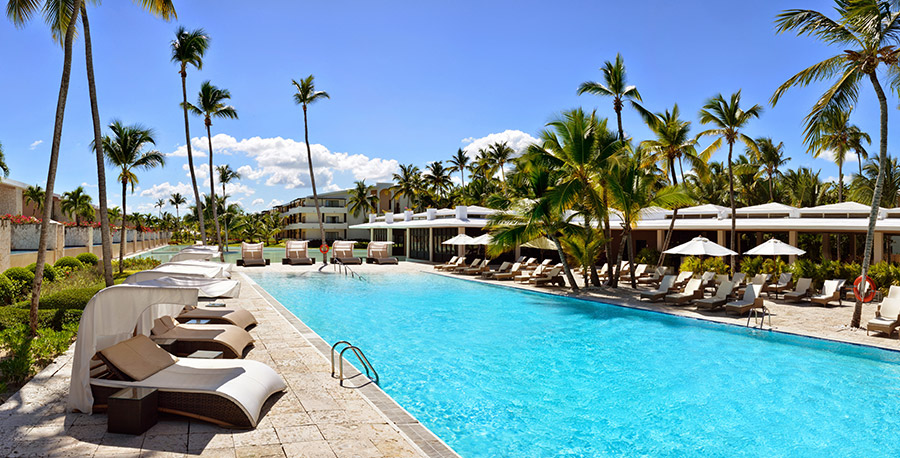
<point>132,410</point>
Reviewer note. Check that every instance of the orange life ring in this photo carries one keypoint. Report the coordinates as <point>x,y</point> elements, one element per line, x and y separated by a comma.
<point>870,289</point>
<point>323,248</point>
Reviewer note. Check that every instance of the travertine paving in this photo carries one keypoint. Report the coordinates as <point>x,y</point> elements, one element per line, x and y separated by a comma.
<point>314,418</point>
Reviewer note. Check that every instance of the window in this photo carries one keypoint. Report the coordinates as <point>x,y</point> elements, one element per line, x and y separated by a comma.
<point>379,235</point>
<point>443,253</point>
<point>418,243</point>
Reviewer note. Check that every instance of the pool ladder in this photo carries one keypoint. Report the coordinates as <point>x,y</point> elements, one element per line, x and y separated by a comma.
<point>342,268</point>
<point>359,355</point>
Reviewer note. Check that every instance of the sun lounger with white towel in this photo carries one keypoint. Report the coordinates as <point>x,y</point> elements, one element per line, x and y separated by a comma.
<point>738,279</point>
<point>116,313</point>
<point>721,297</point>
<point>231,340</point>
<point>192,256</point>
<point>887,315</point>
<point>751,300</point>
<point>526,276</point>
<point>478,269</point>
<point>784,284</point>
<point>463,267</point>
<point>454,262</point>
<point>379,253</point>
<point>296,253</point>
<point>209,287</point>
<point>660,293</point>
<point>831,291</point>
<point>503,268</point>
<point>654,277</point>
<point>681,280</point>
<point>547,277</point>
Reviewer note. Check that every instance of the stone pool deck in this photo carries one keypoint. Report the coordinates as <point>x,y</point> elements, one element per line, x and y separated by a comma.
<point>314,418</point>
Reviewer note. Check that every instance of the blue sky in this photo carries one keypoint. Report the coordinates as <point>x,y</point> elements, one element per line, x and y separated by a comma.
<point>410,82</point>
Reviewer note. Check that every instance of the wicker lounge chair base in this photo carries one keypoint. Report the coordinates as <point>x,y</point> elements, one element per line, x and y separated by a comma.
<point>240,262</point>
<point>240,318</point>
<point>349,261</point>
<point>387,261</point>
<point>298,261</point>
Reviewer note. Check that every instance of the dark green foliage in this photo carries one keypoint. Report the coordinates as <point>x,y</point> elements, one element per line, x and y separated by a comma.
<point>8,290</point>
<point>647,255</point>
<point>136,264</point>
<point>752,266</point>
<point>50,273</point>
<point>698,266</point>
<point>11,316</point>
<point>68,262</point>
<point>76,298</point>
<point>26,354</point>
<point>88,259</point>
<point>21,279</point>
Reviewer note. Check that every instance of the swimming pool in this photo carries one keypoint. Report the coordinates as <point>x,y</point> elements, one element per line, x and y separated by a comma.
<point>500,372</point>
<point>273,254</point>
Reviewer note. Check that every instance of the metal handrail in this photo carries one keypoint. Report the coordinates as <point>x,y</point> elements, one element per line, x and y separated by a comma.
<point>345,269</point>
<point>757,320</point>
<point>359,355</point>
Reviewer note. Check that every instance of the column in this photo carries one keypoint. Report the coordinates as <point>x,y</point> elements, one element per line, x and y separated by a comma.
<point>878,255</point>
<point>5,244</point>
<point>430,245</point>
<point>460,249</point>
<point>406,244</point>
<point>792,240</point>
<point>720,238</point>
<point>660,238</point>
<point>826,246</point>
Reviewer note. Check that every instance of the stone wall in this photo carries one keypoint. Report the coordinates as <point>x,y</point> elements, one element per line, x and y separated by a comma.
<point>27,236</point>
<point>80,236</point>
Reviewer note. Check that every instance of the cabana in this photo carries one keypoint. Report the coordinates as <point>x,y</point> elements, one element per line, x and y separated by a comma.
<point>343,252</point>
<point>192,256</point>
<point>117,321</point>
<point>208,270</point>
<point>378,253</point>
<point>209,287</point>
<point>296,252</point>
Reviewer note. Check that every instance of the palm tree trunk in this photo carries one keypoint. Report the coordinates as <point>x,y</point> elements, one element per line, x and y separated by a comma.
<point>190,155</point>
<point>212,193</point>
<point>840,199</point>
<point>733,208</point>
<point>859,161</point>
<point>771,187</point>
<point>619,119</point>
<point>668,240</point>
<point>631,260</point>
<point>106,240</point>
<point>565,263</point>
<point>608,233</point>
<point>123,239</point>
<point>51,171</point>
<point>876,196</point>
<point>225,219</point>
<point>617,271</point>
<point>312,179</point>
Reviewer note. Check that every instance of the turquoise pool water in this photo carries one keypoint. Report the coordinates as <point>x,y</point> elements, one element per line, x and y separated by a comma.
<point>499,372</point>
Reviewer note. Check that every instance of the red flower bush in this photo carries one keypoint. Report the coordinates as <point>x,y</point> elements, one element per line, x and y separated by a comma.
<point>20,219</point>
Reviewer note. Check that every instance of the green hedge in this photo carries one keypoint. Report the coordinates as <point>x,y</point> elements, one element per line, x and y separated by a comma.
<point>88,259</point>
<point>11,316</point>
<point>50,273</point>
<point>69,299</point>
<point>68,261</point>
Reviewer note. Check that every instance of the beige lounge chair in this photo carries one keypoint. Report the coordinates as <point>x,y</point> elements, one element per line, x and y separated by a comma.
<point>887,315</point>
<point>379,253</point>
<point>692,291</point>
<point>231,340</point>
<point>514,271</point>
<point>252,255</point>
<point>831,291</point>
<point>720,298</point>
<point>526,276</point>
<point>758,279</point>
<point>464,267</point>
<point>547,277</point>
<point>738,279</point>
<point>653,279</point>
<point>784,284</point>
<point>660,293</point>
<point>800,292</point>
<point>751,300</point>
<point>603,271</point>
<point>296,252</point>
<point>215,315</point>
<point>453,263</point>
<point>681,280</point>
<point>638,272</point>
<point>343,252</point>
<point>503,268</point>
<point>479,269</point>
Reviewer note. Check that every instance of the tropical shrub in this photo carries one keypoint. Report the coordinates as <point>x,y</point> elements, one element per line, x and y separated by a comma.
<point>647,255</point>
<point>773,266</point>
<point>752,266</point>
<point>68,262</point>
<point>136,264</point>
<point>716,265</point>
<point>73,298</point>
<point>7,290</point>
<point>88,259</point>
<point>691,264</point>
<point>21,278</point>
<point>50,273</point>
<point>805,268</point>
<point>11,316</point>
<point>26,353</point>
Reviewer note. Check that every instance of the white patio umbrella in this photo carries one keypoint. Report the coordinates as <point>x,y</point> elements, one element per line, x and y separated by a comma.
<point>460,239</point>
<point>775,247</point>
<point>541,243</point>
<point>700,246</point>
<point>483,239</point>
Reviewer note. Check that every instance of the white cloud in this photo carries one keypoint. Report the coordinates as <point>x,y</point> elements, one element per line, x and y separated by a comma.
<point>828,155</point>
<point>165,190</point>
<point>275,202</point>
<point>283,162</point>
<point>35,144</point>
<point>516,139</point>
<point>88,185</point>
<point>257,202</point>
<point>848,178</point>
<point>198,148</point>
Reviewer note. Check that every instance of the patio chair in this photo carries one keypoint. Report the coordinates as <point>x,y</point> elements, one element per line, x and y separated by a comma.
<point>784,284</point>
<point>887,315</point>
<point>653,278</point>
<point>660,293</point>
<point>252,255</point>
<point>477,270</point>
<point>343,253</point>
<point>453,263</point>
<point>831,291</point>
<point>554,276</point>
<point>228,393</point>
<point>638,272</point>
<point>681,280</point>
<point>526,276</point>
<point>381,256</point>
<point>751,300</point>
<point>296,252</point>
<point>231,340</point>
<point>719,299</point>
<point>503,268</point>
<point>463,267</point>
<point>738,279</point>
<point>514,271</point>
<point>692,291</point>
<point>800,292</point>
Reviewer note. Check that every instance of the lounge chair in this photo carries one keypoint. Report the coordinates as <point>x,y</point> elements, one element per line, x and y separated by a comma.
<point>738,279</point>
<point>342,252</point>
<point>503,268</point>
<point>229,393</point>
<point>603,271</point>
<point>216,315</point>
<point>464,267</point>
<point>514,271</point>
<point>692,291</point>
<point>209,287</point>
<point>758,279</point>
<point>296,252</point>
<point>547,277</point>
<point>784,284</point>
<point>800,292</point>
<point>194,269</point>
<point>454,262</point>
<point>681,280</point>
<point>721,297</point>
<point>660,293</point>
<point>252,255</point>
<point>637,274</point>
<point>526,276</point>
<point>231,340</point>
<point>192,256</point>
<point>751,300</point>
<point>887,315</point>
<point>477,270</point>
<point>653,279</point>
<point>378,253</point>
<point>831,291</point>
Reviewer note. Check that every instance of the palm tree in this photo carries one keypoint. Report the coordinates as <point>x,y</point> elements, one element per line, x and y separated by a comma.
<point>188,48</point>
<point>862,188</point>
<point>35,195</point>
<point>438,178</point>
<point>77,204</point>
<point>114,213</point>
<point>19,12</point>
<point>361,199</point>
<point>672,145</point>
<point>770,156</point>
<point>805,188</point>
<point>3,166</point>
<point>836,136</point>
<point>177,200</point>
<point>870,28</point>
<point>729,119</point>
<point>615,85</point>
<point>160,203</point>
<point>460,163</point>
<point>500,153</point>
<point>210,104</point>
<point>125,150</point>
<point>307,95</point>
<point>407,183</point>
<point>226,175</point>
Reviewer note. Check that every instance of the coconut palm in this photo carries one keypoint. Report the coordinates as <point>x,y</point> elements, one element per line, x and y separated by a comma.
<point>361,199</point>
<point>3,167</point>
<point>407,183</point>
<point>307,95</point>
<point>188,48</point>
<point>177,200</point>
<point>673,144</point>
<point>728,119</point>
<point>500,153</point>
<point>160,203</point>
<point>437,177</point>
<point>863,186</point>
<point>867,31</point>
<point>77,204</point>
<point>114,213</point>
<point>125,150</point>
<point>460,163</point>
<point>35,195</point>
<point>19,12</point>
<point>771,157</point>
<point>615,85</point>
<point>226,175</point>
<point>210,104</point>
<point>483,166</point>
<point>836,136</point>
<point>804,187</point>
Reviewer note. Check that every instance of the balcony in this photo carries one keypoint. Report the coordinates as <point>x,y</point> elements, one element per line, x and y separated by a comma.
<point>312,209</point>
<point>315,225</point>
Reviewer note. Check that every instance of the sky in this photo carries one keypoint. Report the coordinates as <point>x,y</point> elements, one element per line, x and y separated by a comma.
<point>410,82</point>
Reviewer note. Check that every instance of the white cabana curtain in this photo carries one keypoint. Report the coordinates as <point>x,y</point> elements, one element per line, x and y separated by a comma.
<point>297,248</point>
<point>112,316</point>
<point>378,247</point>
<point>209,287</point>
